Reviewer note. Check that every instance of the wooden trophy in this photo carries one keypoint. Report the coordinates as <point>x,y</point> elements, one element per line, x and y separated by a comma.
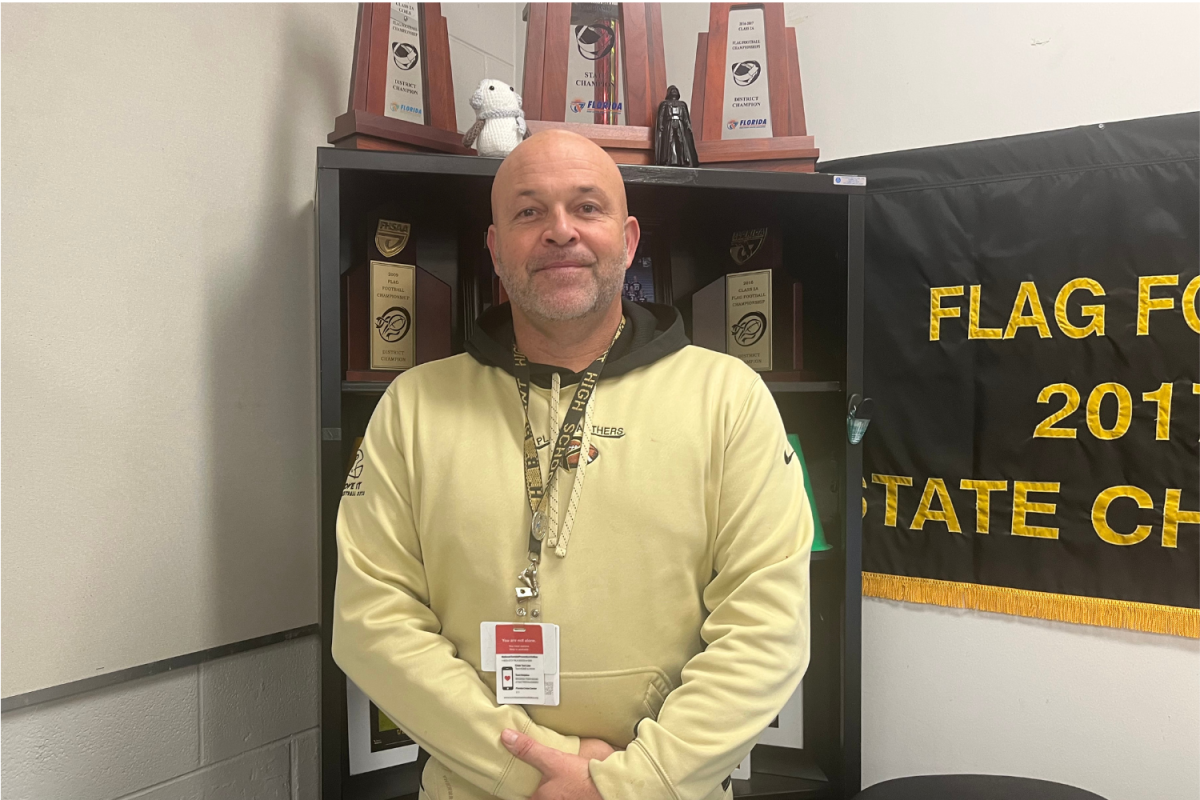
<point>397,315</point>
<point>755,311</point>
<point>746,96</point>
<point>598,69</point>
<point>401,87</point>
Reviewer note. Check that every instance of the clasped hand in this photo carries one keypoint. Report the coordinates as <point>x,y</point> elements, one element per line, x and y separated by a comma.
<point>564,776</point>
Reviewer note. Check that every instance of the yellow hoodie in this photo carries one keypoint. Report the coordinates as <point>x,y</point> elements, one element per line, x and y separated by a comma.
<point>682,599</point>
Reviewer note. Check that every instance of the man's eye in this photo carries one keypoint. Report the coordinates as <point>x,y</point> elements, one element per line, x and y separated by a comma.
<point>588,208</point>
<point>526,212</point>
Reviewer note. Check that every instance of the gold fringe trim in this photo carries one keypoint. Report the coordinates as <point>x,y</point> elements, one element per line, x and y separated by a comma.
<point>1147,617</point>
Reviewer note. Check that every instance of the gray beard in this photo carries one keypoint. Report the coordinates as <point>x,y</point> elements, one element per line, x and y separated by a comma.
<point>609,278</point>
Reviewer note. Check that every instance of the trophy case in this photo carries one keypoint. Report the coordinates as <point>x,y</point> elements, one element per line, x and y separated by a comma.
<point>705,228</point>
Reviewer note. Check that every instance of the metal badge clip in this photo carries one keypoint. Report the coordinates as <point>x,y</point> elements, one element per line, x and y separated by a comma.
<point>529,581</point>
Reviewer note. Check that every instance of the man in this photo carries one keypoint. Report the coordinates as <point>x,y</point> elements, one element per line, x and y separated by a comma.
<point>673,554</point>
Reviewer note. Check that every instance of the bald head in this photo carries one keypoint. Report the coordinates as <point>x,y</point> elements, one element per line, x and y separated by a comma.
<point>561,235</point>
<point>556,149</point>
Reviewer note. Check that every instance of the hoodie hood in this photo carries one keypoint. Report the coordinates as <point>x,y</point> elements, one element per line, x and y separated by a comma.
<point>652,331</point>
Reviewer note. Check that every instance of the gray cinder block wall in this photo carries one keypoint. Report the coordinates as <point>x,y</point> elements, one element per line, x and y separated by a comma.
<point>242,727</point>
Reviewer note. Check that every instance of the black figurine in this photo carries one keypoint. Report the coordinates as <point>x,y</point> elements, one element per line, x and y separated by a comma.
<point>673,143</point>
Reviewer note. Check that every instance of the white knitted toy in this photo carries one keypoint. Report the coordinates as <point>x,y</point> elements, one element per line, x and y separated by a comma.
<point>500,123</point>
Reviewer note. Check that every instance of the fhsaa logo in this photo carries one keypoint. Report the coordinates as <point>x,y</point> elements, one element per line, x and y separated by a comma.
<point>577,106</point>
<point>595,41</point>
<point>745,244</point>
<point>746,72</point>
<point>404,55</point>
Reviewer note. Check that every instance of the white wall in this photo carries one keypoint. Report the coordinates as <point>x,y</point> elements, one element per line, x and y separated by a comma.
<point>879,77</point>
<point>159,327</point>
<point>882,77</point>
<point>159,335</point>
<point>1116,712</point>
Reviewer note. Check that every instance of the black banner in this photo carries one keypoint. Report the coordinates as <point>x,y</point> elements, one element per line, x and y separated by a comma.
<point>1032,348</point>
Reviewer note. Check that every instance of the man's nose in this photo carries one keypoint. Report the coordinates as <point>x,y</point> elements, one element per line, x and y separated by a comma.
<point>560,229</point>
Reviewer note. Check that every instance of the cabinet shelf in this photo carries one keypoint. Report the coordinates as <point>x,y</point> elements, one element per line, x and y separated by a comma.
<point>782,387</point>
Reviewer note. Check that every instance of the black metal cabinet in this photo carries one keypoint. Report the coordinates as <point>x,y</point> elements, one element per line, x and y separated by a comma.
<point>822,222</point>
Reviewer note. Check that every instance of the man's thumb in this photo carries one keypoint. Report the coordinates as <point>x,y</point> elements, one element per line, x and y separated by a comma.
<point>531,752</point>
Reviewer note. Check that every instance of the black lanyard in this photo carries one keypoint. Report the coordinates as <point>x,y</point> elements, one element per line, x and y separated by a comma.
<point>572,424</point>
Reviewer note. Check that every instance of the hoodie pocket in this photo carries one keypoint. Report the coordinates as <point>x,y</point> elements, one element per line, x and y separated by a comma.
<point>605,705</point>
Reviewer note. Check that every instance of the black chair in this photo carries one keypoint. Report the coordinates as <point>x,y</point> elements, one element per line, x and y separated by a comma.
<point>972,787</point>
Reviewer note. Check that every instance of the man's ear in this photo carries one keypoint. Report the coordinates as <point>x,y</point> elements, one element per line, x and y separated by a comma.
<point>491,245</point>
<point>633,235</point>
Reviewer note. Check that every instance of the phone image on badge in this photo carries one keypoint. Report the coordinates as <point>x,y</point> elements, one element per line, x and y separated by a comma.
<point>506,678</point>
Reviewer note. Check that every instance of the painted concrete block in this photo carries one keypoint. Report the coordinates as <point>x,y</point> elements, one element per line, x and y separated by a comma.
<point>253,698</point>
<point>261,774</point>
<point>103,744</point>
<point>306,766</point>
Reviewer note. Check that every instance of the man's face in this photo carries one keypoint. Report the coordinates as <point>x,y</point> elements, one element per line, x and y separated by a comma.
<point>561,237</point>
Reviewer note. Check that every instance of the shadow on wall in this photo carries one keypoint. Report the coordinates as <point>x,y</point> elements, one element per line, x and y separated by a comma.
<point>264,470</point>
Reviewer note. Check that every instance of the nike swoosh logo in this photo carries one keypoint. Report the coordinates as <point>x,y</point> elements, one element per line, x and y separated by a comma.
<point>787,457</point>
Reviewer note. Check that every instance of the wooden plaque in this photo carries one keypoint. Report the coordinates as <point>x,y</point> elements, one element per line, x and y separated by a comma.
<point>397,315</point>
<point>755,311</point>
<point>629,68</point>
<point>738,126</point>
<point>401,85</point>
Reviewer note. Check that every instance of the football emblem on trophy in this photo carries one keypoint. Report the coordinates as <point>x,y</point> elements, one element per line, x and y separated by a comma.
<point>746,72</point>
<point>594,41</point>
<point>393,324</point>
<point>405,55</point>
<point>750,328</point>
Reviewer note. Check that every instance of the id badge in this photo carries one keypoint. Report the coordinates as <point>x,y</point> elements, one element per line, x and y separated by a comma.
<point>524,656</point>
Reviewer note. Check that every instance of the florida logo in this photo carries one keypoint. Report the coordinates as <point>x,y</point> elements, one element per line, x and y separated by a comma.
<point>394,324</point>
<point>732,124</point>
<point>573,453</point>
<point>745,244</point>
<point>391,236</point>
<point>576,106</point>
<point>750,328</point>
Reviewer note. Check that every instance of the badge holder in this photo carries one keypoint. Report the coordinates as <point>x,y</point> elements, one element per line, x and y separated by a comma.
<point>524,656</point>
<point>858,417</point>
